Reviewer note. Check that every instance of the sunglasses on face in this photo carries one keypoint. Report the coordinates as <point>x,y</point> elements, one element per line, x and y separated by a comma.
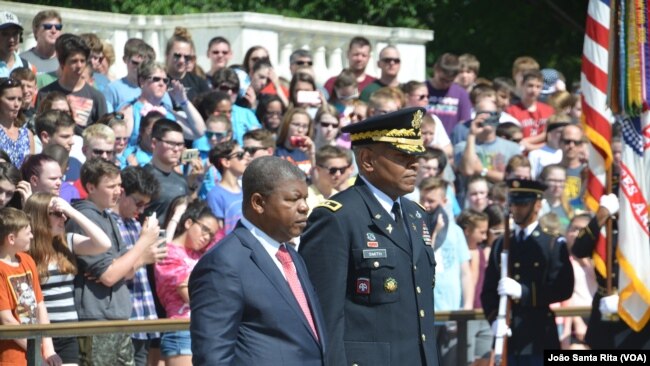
<point>255,59</point>
<point>48,26</point>
<point>303,63</point>
<point>354,115</point>
<point>239,155</point>
<point>187,58</point>
<point>218,135</point>
<point>156,79</point>
<point>390,60</point>
<point>333,170</point>
<point>252,150</point>
<point>329,124</point>
<point>227,88</point>
<point>100,152</point>
<point>569,141</point>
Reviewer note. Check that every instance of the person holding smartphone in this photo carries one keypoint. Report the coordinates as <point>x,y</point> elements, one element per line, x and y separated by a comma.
<point>294,142</point>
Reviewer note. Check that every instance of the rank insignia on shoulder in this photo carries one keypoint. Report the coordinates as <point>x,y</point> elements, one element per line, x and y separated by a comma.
<point>332,205</point>
<point>363,286</point>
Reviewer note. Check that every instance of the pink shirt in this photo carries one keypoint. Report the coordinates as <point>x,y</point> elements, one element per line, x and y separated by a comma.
<point>170,273</point>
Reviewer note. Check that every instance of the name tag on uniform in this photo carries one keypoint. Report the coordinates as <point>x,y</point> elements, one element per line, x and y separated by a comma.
<point>374,253</point>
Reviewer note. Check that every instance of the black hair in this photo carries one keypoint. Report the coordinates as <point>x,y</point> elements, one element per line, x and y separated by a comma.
<point>136,179</point>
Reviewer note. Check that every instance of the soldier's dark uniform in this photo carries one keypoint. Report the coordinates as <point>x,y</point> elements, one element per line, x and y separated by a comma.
<point>373,277</point>
<point>612,333</point>
<point>540,264</point>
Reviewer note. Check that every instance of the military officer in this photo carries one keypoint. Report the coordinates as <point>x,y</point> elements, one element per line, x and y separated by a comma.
<point>369,255</point>
<point>608,332</point>
<point>539,274</point>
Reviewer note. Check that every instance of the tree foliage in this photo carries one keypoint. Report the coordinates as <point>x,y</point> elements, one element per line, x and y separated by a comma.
<point>496,32</point>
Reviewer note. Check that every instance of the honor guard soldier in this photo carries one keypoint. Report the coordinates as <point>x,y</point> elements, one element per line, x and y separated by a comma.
<point>539,274</point>
<point>369,255</point>
<point>606,330</point>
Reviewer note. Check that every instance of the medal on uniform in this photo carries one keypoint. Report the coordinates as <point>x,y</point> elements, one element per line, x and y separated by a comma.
<point>426,236</point>
<point>390,285</point>
<point>389,228</point>
<point>372,244</point>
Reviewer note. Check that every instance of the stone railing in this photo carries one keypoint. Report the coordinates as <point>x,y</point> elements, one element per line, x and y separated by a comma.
<point>281,35</point>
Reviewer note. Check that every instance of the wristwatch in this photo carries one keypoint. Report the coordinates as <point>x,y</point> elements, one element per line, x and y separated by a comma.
<point>484,172</point>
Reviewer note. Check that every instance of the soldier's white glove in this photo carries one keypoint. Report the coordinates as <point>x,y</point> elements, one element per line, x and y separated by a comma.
<point>510,287</point>
<point>609,305</point>
<point>500,329</point>
<point>610,203</point>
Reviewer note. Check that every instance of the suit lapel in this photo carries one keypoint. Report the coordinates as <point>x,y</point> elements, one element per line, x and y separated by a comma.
<point>382,219</point>
<point>261,258</point>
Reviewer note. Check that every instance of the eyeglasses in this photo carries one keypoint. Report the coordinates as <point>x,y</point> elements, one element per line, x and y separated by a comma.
<point>421,97</point>
<point>218,135</point>
<point>205,230</point>
<point>252,150</point>
<point>329,124</point>
<point>303,63</point>
<point>139,204</point>
<point>173,144</point>
<point>156,79</point>
<point>390,60</point>
<point>187,58</point>
<point>333,170</point>
<point>239,155</point>
<point>227,88</point>
<point>100,152</point>
<point>58,214</point>
<point>48,26</point>
<point>569,141</point>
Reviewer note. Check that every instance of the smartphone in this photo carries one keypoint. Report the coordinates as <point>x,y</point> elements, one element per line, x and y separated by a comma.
<point>297,141</point>
<point>162,234</point>
<point>308,97</point>
<point>188,155</point>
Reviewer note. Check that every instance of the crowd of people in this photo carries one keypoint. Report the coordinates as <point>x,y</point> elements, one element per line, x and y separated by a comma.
<point>112,187</point>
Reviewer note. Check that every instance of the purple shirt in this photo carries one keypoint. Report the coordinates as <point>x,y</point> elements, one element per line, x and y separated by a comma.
<point>451,105</point>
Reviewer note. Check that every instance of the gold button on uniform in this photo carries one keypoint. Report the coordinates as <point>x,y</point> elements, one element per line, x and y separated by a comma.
<point>424,338</point>
<point>355,364</point>
<point>516,264</point>
<point>536,264</point>
<point>418,290</point>
<point>421,313</point>
<point>516,277</point>
<point>415,268</point>
<point>376,264</point>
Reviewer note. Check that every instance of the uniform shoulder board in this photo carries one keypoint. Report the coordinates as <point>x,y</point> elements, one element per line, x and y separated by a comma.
<point>418,203</point>
<point>332,205</point>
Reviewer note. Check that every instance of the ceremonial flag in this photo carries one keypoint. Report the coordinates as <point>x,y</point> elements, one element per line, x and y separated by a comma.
<point>633,252</point>
<point>596,117</point>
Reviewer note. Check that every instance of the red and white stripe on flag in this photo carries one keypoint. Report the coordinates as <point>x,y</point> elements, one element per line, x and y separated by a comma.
<point>633,251</point>
<point>596,117</point>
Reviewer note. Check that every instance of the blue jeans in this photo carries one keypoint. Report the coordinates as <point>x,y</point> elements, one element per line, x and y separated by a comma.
<point>176,344</point>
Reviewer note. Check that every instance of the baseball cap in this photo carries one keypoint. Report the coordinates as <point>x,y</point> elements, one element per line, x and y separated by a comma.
<point>8,19</point>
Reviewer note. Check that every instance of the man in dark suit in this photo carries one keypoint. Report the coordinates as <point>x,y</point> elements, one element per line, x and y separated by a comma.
<point>251,299</point>
<point>539,274</point>
<point>368,250</point>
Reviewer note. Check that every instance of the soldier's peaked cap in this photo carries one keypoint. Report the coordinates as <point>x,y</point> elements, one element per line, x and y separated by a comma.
<point>400,129</point>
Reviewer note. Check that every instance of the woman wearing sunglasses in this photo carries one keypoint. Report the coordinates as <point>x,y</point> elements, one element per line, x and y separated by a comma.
<point>15,138</point>
<point>194,233</point>
<point>180,58</point>
<point>327,126</point>
<point>54,252</point>
<point>154,83</point>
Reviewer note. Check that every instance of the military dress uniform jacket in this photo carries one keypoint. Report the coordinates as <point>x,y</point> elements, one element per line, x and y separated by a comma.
<point>374,280</point>
<point>612,333</point>
<point>541,265</point>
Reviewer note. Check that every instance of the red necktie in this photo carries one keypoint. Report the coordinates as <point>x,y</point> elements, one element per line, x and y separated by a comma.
<point>294,283</point>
